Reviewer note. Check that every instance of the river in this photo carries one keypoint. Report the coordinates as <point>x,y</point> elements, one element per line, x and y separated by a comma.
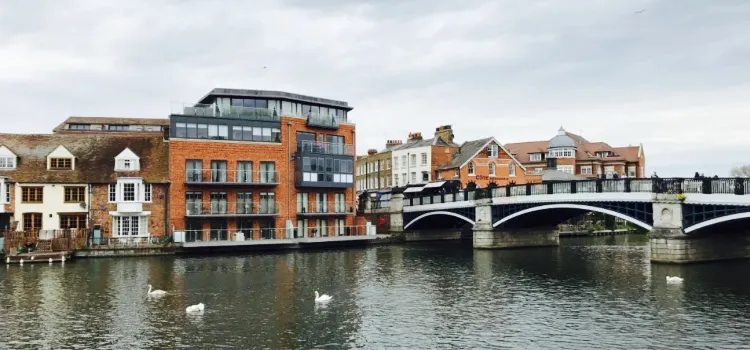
<point>590,293</point>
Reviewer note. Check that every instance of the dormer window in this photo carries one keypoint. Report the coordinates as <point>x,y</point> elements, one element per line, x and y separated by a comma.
<point>7,159</point>
<point>127,161</point>
<point>535,157</point>
<point>603,154</point>
<point>61,164</point>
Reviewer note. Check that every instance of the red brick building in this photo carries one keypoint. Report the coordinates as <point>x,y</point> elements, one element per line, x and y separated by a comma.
<point>266,164</point>
<point>484,161</point>
<point>573,154</point>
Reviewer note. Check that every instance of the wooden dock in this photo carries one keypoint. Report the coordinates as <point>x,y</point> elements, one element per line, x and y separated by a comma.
<point>38,257</point>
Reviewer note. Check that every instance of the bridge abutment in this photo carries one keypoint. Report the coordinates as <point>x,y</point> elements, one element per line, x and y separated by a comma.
<point>487,237</point>
<point>397,216</point>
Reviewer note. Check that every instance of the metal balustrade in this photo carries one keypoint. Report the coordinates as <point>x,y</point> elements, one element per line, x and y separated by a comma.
<point>314,207</point>
<point>222,208</point>
<point>736,186</point>
<point>231,177</point>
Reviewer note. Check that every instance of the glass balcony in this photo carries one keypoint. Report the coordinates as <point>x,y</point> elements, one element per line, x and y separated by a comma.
<point>322,121</point>
<point>231,209</point>
<point>325,148</point>
<point>328,208</point>
<point>229,112</point>
<point>231,177</point>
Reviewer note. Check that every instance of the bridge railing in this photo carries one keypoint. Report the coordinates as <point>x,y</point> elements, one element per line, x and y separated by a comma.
<point>736,186</point>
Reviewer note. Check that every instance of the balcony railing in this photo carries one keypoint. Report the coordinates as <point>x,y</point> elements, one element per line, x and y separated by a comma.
<point>738,186</point>
<point>231,177</point>
<point>230,112</point>
<point>322,121</point>
<point>326,208</point>
<point>255,234</point>
<point>227,209</point>
<point>325,148</point>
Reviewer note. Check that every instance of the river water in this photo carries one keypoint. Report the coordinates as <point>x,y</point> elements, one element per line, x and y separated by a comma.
<point>590,293</point>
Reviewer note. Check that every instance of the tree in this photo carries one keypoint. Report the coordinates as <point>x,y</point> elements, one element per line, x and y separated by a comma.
<point>741,171</point>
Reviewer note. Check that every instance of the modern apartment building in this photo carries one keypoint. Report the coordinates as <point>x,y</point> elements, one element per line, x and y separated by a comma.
<point>262,164</point>
<point>374,170</point>
<point>573,154</point>
<point>417,161</point>
<point>116,184</point>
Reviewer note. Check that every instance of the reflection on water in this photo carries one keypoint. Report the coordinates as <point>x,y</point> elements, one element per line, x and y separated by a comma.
<point>597,292</point>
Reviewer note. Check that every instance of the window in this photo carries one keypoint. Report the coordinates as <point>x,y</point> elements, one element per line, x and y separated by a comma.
<point>424,158</point>
<point>218,202</point>
<point>129,193</point>
<point>388,166</point>
<point>413,161</point>
<point>535,157</point>
<point>561,153</point>
<point>75,194</point>
<point>440,175</point>
<point>609,170</point>
<point>603,154</point>
<point>68,221</point>
<point>511,170</point>
<point>218,171</point>
<point>79,126</point>
<point>492,169</point>
<point>566,168</point>
<point>60,164</point>
<point>587,170</point>
<point>244,172</point>
<point>129,225</point>
<point>267,203</point>
<point>340,230</point>
<point>493,151</point>
<point>395,162</point>
<point>425,176</point>
<point>32,221</point>
<point>471,168</point>
<point>7,193</point>
<point>147,192</point>
<point>114,127</point>
<point>303,204</point>
<point>7,162</point>
<point>631,171</point>
<point>32,195</point>
<point>413,177</point>
<point>456,173</point>
<point>395,179</point>
<point>268,172</point>
<point>112,193</point>
<point>194,170</point>
<point>127,165</point>
<point>403,162</point>
<point>194,203</point>
<point>245,203</point>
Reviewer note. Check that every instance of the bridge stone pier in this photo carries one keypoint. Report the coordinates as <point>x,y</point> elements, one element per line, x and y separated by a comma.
<point>688,220</point>
<point>487,237</point>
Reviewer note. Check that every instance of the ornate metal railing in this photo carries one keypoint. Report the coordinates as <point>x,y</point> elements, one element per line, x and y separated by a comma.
<point>734,186</point>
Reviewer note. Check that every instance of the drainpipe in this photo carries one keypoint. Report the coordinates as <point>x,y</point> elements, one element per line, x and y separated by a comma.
<point>288,170</point>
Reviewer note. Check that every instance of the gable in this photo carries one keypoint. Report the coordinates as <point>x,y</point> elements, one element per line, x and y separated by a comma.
<point>5,152</point>
<point>60,152</point>
<point>127,154</point>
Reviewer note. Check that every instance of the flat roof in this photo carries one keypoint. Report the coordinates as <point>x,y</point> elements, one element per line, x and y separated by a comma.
<point>222,92</point>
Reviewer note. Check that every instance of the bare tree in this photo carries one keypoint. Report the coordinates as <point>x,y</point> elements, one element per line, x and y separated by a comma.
<point>741,171</point>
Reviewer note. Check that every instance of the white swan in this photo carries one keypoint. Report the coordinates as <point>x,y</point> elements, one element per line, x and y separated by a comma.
<point>50,260</point>
<point>674,280</point>
<point>322,298</point>
<point>195,308</point>
<point>20,262</point>
<point>155,293</point>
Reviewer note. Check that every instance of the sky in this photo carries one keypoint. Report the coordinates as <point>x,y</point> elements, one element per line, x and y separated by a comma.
<point>672,75</point>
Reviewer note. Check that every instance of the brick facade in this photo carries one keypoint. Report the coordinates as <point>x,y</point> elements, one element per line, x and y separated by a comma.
<point>232,152</point>
<point>482,177</point>
<point>100,208</point>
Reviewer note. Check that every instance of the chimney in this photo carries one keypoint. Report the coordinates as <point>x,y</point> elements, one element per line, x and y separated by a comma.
<point>445,132</point>
<point>371,151</point>
<point>393,143</point>
<point>414,136</point>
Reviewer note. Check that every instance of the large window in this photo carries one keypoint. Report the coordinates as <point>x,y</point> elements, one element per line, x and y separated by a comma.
<point>221,132</point>
<point>561,153</point>
<point>7,162</point>
<point>267,203</point>
<point>570,169</point>
<point>130,225</point>
<point>244,172</point>
<point>218,202</point>
<point>268,172</point>
<point>218,171</point>
<point>68,221</point>
<point>32,194</point>
<point>395,162</point>
<point>129,192</point>
<point>327,170</point>
<point>194,203</point>
<point>194,170</point>
<point>32,221</point>
<point>75,194</point>
<point>335,144</point>
<point>79,126</point>
<point>61,163</point>
<point>403,162</point>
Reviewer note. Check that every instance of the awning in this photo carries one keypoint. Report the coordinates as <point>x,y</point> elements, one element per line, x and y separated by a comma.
<point>434,184</point>
<point>413,189</point>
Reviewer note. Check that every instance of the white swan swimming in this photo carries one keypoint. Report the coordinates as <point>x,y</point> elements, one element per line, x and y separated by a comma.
<point>322,298</point>
<point>157,292</point>
<point>674,279</point>
<point>195,308</point>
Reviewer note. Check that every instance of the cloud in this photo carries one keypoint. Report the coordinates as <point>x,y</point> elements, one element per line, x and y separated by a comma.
<point>673,77</point>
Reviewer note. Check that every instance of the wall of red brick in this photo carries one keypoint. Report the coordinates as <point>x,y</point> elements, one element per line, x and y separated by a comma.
<point>482,171</point>
<point>441,155</point>
<point>100,208</point>
<point>233,151</point>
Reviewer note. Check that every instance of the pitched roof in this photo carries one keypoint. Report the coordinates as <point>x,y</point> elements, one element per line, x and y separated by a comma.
<point>94,157</point>
<point>435,141</point>
<point>586,150</point>
<point>112,120</point>
<point>470,149</point>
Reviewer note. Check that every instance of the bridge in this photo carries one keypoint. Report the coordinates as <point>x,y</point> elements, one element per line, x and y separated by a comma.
<point>689,220</point>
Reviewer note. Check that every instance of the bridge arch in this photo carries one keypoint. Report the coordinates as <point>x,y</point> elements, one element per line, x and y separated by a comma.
<point>438,213</point>
<point>572,206</point>
<point>718,220</point>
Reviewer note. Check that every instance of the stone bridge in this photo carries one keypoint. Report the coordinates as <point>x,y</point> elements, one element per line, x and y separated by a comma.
<point>689,220</point>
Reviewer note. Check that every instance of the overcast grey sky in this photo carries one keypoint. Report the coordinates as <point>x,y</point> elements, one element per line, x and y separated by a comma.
<point>675,77</point>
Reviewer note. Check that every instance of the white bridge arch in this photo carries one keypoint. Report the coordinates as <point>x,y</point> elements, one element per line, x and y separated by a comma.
<point>572,206</point>
<point>439,213</point>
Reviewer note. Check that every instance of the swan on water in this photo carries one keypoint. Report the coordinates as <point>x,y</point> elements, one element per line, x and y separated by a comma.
<point>50,260</point>
<point>322,298</point>
<point>21,262</point>
<point>32,257</point>
<point>674,279</point>
<point>7,260</point>
<point>157,292</point>
<point>195,308</point>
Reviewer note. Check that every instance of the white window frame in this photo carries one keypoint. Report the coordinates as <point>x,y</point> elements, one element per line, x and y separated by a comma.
<point>395,162</point>
<point>587,170</point>
<point>8,188</point>
<point>440,175</point>
<point>112,193</point>
<point>139,189</point>
<point>491,167</point>
<point>119,220</point>
<point>632,171</point>
<point>493,151</point>
<point>511,170</point>
<point>570,169</point>
<point>535,157</point>
<point>413,177</point>
<point>127,164</point>
<point>147,193</point>
<point>413,161</point>
<point>424,158</point>
<point>609,170</point>
<point>395,179</point>
<point>7,162</point>
<point>403,162</point>
<point>471,168</point>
